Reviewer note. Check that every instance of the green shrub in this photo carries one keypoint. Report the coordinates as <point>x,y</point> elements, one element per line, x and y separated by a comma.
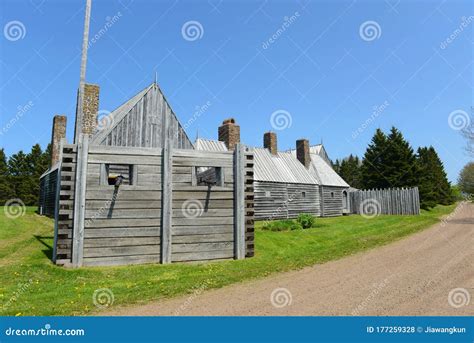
<point>306,220</point>
<point>281,225</point>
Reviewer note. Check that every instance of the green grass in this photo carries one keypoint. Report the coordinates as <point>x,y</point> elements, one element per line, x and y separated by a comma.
<point>25,251</point>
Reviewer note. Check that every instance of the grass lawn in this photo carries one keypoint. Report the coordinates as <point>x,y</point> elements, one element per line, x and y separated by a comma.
<point>31,285</point>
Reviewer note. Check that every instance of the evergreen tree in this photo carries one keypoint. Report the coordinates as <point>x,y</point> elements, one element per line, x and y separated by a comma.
<point>350,171</point>
<point>433,176</point>
<point>6,189</point>
<point>336,166</point>
<point>373,165</point>
<point>400,163</point>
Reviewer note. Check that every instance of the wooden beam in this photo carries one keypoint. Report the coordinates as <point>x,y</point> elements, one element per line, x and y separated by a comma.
<point>57,197</point>
<point>239,202</point>
<point>80,200</point>
<point>167,192</point>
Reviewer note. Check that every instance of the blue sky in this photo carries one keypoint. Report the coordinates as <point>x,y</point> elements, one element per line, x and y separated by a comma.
<point>334,71</point>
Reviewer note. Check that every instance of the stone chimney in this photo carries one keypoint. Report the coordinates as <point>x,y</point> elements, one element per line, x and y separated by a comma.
<point>90,108</point>
<point>270,142</point>
<point>229,133</point>
<point>302,152</point>
<point>59,132</point>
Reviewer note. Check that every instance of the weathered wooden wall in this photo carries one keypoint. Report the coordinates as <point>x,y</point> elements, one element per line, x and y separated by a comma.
<point>142,124</point>
<point>397,201</point>
<point>275,200</point>
<point>47,196</point>
<point>331,200</point>
<point>124,224</point>
<point>203,216</point>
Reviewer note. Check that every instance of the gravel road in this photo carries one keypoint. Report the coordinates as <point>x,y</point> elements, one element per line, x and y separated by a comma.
<point>428,273</point>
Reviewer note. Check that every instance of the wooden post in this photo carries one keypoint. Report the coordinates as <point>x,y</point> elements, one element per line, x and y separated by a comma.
<point>167,192</point>
<point>80,200</point>
<point>239,202</point>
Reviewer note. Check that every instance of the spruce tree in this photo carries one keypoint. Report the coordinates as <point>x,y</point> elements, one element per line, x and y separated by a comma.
<point>373,165</point>
<point>6,189</point>
<point>350,171</point>
<point>434,186</point>
<point>400,164</point>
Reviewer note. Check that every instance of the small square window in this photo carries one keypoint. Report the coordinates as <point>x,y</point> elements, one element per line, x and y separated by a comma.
<point>303,195</point>
<point>118,174</point>
<point>332,194</point>
<point>208,176</point>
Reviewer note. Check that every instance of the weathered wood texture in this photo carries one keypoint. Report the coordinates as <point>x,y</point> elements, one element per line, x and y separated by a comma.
<point>123,225</point>
<point>202,215</point>
<point>398,201</point>
<point>249,204</point>
<point>47,196</point>
<point>275,200</point>
<point>63,239</point>
<point>142,124</point>
<point>331,201</point>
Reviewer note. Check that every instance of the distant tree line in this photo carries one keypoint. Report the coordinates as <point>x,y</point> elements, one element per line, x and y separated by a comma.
<point>20,173</point>
<point>390,161</point>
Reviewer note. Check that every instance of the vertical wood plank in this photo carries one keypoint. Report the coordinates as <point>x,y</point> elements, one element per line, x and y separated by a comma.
<point>80,200</point>
<point>167,200</point>
<point>239,202</point>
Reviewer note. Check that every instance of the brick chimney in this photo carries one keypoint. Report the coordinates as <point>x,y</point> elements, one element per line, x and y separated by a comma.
<point>270,142</point>
<point>58,133</point>
<point>302,152</point>
<point>90,108</point>
<point>229,133</point>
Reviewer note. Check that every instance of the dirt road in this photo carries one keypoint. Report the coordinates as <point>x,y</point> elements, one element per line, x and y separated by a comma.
<point>428,273</point>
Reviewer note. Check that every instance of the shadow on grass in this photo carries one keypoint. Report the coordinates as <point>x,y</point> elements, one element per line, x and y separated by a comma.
<point>49,248</point>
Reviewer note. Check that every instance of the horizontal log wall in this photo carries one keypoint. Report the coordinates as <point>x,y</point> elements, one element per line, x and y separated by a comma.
<point>394,201</point>
<point>331,200</point>
<point>203,216</point>
<point>122,224</point>
<point>275,200</point>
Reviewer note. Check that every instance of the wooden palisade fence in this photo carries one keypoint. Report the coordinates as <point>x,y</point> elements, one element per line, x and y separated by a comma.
<point>161,212</point>
<point>397,201</point>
